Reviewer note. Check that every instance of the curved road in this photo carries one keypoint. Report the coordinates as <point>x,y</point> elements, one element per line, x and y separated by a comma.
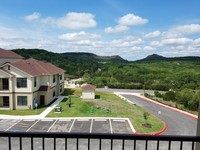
<point>177,123</point>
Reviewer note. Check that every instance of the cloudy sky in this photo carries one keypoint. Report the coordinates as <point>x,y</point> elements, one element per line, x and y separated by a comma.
<point>132,29</point>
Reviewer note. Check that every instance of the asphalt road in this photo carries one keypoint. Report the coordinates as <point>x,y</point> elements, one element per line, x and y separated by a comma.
<point>177,123</point>
<point>124,90</point>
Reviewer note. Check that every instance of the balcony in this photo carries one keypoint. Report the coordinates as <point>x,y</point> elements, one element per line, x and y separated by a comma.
<point>4,84</point>
<point>4,87</point>
<point>4,102</point>
<point>94,141</point>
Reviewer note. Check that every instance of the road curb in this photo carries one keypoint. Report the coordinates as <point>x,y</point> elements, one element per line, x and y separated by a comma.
<point>160,104</point>
<point>155,133</point>
<point>171,108</point>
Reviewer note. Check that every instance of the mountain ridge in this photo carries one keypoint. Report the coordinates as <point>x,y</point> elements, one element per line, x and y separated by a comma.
<point>156,57</point>
<point>27,53</point>
<point>47,56</point>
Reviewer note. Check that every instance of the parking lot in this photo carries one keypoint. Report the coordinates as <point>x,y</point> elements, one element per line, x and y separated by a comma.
<point>82,125</point>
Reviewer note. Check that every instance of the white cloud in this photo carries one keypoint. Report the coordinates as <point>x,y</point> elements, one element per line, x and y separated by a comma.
<point>84,42</point>
<point>176,41</point>
<point>136,48</point>
<point>116,29</point>
<point>149,48</point>
<point>132,20</point>
<point>123,43</point>
<point>155,43</point>
<point>78,36</point>
<point>152,34</point>
<point>197,42</point>
<point>188,29</point>
<point>125,22</point>
<point>7,32</point>
<point>73,20</point>
<point>182,30</point>
<point>33,16</point>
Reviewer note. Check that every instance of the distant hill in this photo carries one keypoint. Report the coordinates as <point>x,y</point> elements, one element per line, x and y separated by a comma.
<point>79,55</point>
<point>45,55</point>
<point>75,64</point>
<point>155,57</point>
<point>48,56</point>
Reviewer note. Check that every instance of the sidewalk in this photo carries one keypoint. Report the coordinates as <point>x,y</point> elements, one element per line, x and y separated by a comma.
<point>41,116</point>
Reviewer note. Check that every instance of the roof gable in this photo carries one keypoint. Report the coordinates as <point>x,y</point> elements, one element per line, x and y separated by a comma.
<point>35,67</point>
<point>9,54</point>
<point>6,73</point>
<point>88,87</point>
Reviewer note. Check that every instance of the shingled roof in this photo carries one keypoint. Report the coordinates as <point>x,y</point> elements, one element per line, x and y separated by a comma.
<point>9,54</point>
<point>35,67</point>
<point>88,87</point>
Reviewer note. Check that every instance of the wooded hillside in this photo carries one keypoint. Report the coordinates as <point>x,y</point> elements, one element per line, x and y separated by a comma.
<point>179,76</point>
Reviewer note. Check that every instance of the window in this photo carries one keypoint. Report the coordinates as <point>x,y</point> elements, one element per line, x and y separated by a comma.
<point>8,67</point>
<point>21,82</point>
<point>5,100</point>
<point>5,82</point>
<point>54,78</point>
<point>22,100</point>
<point>60,88</point>
<point>35,81</point>
<point>54,93</point>
<point>60,77</point>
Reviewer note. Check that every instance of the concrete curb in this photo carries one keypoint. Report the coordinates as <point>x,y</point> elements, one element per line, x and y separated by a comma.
<point>122,97</point>
<point>159,104</point>
<point>171,108</point>
<point>155,133</point>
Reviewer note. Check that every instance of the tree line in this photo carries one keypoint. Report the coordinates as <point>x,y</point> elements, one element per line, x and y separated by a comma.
<point>182,77</point>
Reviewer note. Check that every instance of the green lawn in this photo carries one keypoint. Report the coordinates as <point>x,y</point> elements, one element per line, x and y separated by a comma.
<point>108,105</point>
<point>24,112</point>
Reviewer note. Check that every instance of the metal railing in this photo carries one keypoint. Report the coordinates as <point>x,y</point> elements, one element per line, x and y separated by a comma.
<point>94,141</point>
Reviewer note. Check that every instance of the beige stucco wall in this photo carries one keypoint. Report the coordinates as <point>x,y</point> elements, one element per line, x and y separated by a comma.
<point>20,74</point>
<point>11,99</point>
<point>88,94</point>
<point>50,96</point>
<point>29,101</point>
<point>44,80</point>
<point>62,78</point>
<point>61,91</point>
<point>37,83</point>
<point>5,75</point>
<point>30,91</point>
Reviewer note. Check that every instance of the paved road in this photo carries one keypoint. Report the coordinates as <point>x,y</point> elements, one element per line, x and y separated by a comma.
<point>124,90</point>
<point>177,123</point>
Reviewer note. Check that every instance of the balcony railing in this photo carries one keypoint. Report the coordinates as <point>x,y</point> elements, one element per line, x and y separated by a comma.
<point>93,141</point>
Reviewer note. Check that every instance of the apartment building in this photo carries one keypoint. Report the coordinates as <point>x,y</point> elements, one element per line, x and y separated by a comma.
<point>8,56</point>
<point>27,83</point>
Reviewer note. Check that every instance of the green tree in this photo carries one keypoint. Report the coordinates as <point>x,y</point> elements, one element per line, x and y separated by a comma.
<point>146,116</point>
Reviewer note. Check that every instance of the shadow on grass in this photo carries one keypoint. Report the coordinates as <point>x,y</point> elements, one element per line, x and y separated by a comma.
<point>41,107</point>
<point>97,96</point>
<point>68,92</point>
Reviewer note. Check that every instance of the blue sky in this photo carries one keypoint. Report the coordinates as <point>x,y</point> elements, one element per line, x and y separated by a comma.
<point>132,29</point>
